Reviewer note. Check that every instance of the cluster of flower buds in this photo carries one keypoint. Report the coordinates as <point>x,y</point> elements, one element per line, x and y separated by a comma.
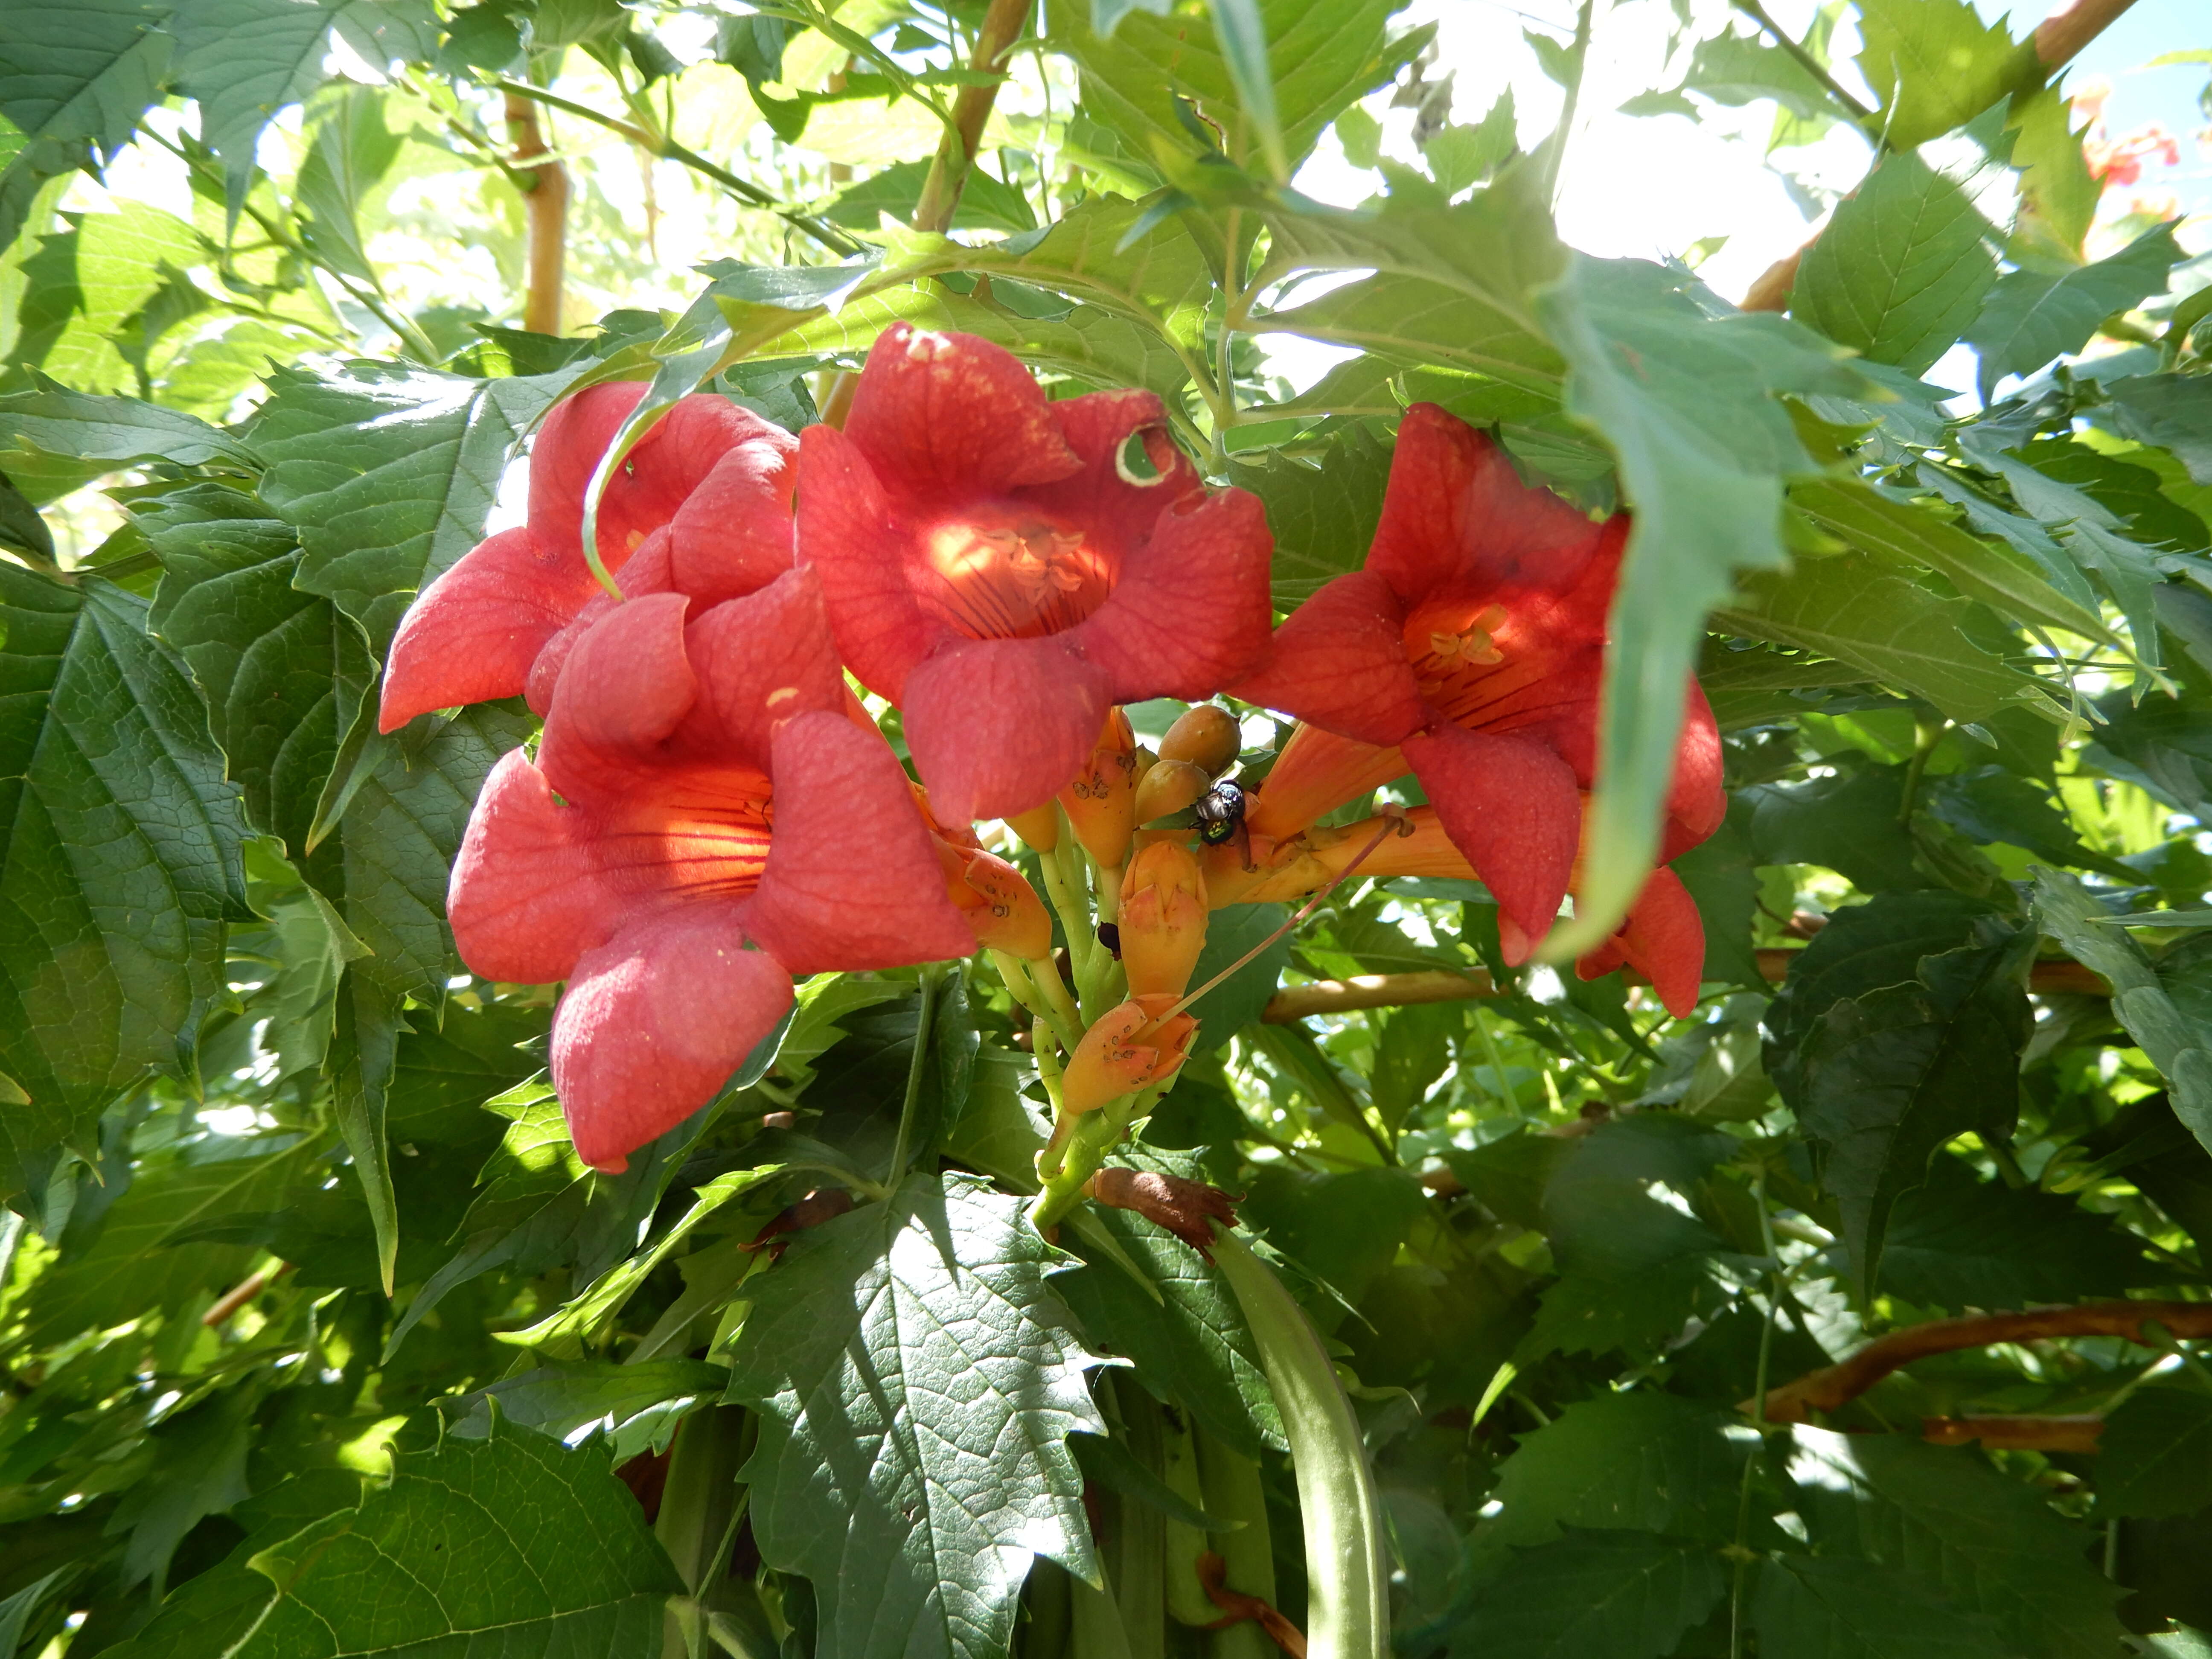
<point>712,810</point>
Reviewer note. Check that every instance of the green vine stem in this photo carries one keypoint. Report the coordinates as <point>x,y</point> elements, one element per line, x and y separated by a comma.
<point>1348,1596</point>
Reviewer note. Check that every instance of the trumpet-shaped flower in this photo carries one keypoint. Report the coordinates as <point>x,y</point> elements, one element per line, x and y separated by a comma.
<point>702,506</point>
<point>1470,649</point>
<point>1006,569</point>
<point>703,821</point>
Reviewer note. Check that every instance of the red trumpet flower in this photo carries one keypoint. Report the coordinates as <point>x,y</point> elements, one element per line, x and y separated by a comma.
<point>1004,568</point>
<point>1471,645</point>
<point>703,821</point>
<point>702,506</point>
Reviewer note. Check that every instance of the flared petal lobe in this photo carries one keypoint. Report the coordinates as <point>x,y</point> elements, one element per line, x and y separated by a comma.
<point>1004,567</point>
<point>473,633</point>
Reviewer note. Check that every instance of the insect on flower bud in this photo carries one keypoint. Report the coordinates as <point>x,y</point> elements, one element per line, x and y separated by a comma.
<point>1123,1052</point>
<point>1206,736</point>
<point>1169,787</point>
<point>1163,918</point>
<point>1100,803</point>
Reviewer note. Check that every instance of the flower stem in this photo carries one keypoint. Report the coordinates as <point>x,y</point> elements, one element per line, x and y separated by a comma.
<point>1347,1604</point>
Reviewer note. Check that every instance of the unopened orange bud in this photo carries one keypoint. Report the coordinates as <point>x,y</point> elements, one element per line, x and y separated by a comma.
<point>1039,827</point>
<point>1163,918</point>
<point>1170,787</point>
<point>1123,1052</point>
<point>997,899</point>
<point>1101,802</point>
<point>1207,735</point>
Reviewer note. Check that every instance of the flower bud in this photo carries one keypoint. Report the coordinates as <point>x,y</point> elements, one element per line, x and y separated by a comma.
<point>997,901</point>
<point>1100,803</point>
<point>1163,918</point>
<point>1207,735</point>
<point>1039,827</point>
<point>1169,787</point>
<point>1122,1053</point>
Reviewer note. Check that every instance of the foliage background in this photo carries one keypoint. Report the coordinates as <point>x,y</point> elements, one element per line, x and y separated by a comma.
<point>317,1337</point>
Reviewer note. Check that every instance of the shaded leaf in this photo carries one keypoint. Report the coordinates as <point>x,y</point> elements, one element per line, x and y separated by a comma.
<point>2155,1456</point>
<point>1623,1594</point>
<point>2031,317</point>
<point>1819,1608</point>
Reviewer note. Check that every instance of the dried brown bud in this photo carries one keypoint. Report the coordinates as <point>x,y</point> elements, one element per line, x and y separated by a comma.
<point>1188,1209</point>
<point>822,1203</point>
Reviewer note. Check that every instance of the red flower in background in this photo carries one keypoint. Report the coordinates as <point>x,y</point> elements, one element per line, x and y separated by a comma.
<point>702,506</point>
<point>1468,649</point>
<point>703,821</point>
<point>991,566</point>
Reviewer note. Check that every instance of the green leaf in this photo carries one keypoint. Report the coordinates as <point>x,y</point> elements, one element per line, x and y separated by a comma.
<point>1942,1515</point>
<point>1935,63</point>
<point>1686,400</point>
<point>1743,68</point>
<point>2031,317</point>
<point>351,152</point>
<point>1626,1595</point>
<point>912,1372</point>
<point>1322,512</point>
<point>2154,1457</point>
<point>285,674</point>
<point>199,1470</point>
<point>2070,913</point>
<point>1191,1348</point>
<point>1823,1608</point>
<point>76,81</point>
<point>1241,998</point>
<point>1884,1079</point>
<point>2161,744</point>
<point>388,473</point>
<point>512,1542</point>
<point>1241,32</point>
<point>1901,270</point>
<point>1849,607</point>
<point>2173,411</point>
<point>245,60</point>
<point>1958,1243</point>
<point>986,202</point>
<point>2058,195</point>
<point>562,1400</point>
<point>1320,57</point>
<point>1892,530</point>
<point>122,858</point>
<point>90,427</point>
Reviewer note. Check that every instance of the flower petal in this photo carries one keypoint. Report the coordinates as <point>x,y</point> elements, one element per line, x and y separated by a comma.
<point>626,684</point>
<point>1191,612</point>
<point>652,1024</point>
<point>473,633</point>
<point>1457,515</point>
<point>526,899</point>
<point>664,467</point>
<point>851,880</point>
<point>1110,508</point>
<point>952,417</point>
<point>1511,805</point>
<point>734,533</point>
<point>1663,939</point>
<point>1697,800</point>
<point>848,533</point>
<point>1339,661</point>
<point>765,658</point>
<point>997,727</point>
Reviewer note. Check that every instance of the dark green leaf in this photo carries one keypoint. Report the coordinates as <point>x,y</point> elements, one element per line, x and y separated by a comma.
<point>1322,514</point>
<point>1626,1595</point>
<point>562,1400</point>
<point>1848,823</point>
<point>2173,411</point>
<point>1815,1607</point>
<point>199,1470</point>
<point>122,858</point>
<point>2155,1456</point>
<point>907,1359</point>
<point>74,82</point>
<point>1239,1000</point>
<point>1900,272</point>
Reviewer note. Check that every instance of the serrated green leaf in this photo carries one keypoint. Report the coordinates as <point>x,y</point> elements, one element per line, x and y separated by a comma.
<point>90,301</point>
<point>1626,1595</point>
<point>2069,914</point>
<point>388,473</point>
<point>1821,1607</point>
<point>351,151</point>
<point>2057,194</point>
<point>1323,512</point>
<point>1687,402</point>
<point>199,1470</point>
<point>2155,1456</point>
<point>565,1400</point>
<point>1851,608</point>
<point>90,428</point>
<point>75,83</point>
<point>1883,1079</point>
<point>245,60</point>
<point>122,858</point>
<point>1935,63</point>
<point>1741,69</point>
<point>2173,411</point>
<point>1901,271</point>
<point>1942,1515</point>
<point>1192,1346</point>
<point>2030,317</point>
<point>914,1376</point>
